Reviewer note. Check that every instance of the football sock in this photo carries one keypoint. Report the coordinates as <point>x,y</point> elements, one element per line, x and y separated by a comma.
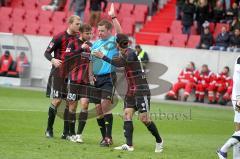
<point>236,151</point>
<point>66,121</point>
<point>231,142</point>
<point>72,120</point>
<point>108,118</point>
<point>153,129</point>
<point>82,121</point>
<point>101,124</point>
<point>52,111</point>
<point>128,132</point>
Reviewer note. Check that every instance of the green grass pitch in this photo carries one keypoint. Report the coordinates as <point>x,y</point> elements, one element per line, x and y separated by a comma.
<point>193,132</point>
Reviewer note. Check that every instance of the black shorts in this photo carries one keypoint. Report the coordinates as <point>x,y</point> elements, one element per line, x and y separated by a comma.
<point>104,87</point>
<point>57,87</point>
<point>77,91</point>
<point>138,103</point>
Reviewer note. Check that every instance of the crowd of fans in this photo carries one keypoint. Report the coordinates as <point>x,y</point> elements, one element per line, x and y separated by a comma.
<point>204,12</point>
<point>10,67</point>
<point>217,86</point>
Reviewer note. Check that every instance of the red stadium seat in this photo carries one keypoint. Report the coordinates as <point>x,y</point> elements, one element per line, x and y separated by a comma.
<point>144,38</point>
<point>59,18</point>
<point>45,17</point>
<point>18,15</point>
<point>45,29</point>
<point>16,3</point>
<point>165,39</point>
<point>139,17</point>
<point>179,40</point>
<point>6,13</point>
<point>128,26</point>
<point>127,7</point>
<point>18,28</point>
<point>140,8</point>
<point>32,28</point>
<point>30,4</point>
<point>176,27</point>
<point>58,29</point>
<point>193,41</point>
<point>6,26</point>
<point>31,16</point>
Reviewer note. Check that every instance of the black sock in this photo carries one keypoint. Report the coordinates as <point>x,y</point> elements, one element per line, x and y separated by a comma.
<point>108,118</point>
<point>82,121</point>
<point>128,132</point>
<point>101,124</point>
<point>66,121</point>
<point>72,120</point>
<point>52,111</point>
<point>153,129</point>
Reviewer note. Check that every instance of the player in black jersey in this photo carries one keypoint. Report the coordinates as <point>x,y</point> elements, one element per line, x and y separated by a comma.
<point>138,93</point>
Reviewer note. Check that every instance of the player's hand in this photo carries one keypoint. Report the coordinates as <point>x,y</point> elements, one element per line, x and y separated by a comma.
<point>85,46</point>
<point>56,63</point>
<point>111,11</point>
<point>99,54</point>
<point>92,79</point>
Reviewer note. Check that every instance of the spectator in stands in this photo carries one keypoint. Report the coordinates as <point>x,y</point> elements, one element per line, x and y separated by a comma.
<point>231,13</point>
<point>6,62</point>
<point>188,10</point>
<point>222,40</point>
<point>202,14</point>
<point>219,86</point>
<point>142,55</point>
<point>79,7</point>
<point>206,39</point>
<point>203,78</point>
<point>235,24</point>
<point>55,5</point>
<point>179,6</point>
<point>234,42</point>
<point>185,81</point>
<point>95,11</point>
<point>218,12</point>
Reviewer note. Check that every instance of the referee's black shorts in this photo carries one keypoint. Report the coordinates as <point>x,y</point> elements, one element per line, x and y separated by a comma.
<point>104,87</point>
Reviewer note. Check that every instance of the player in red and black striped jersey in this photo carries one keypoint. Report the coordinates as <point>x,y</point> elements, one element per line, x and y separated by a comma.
<point>57,81</point>
<point>138,93</point>
<point>78,55</point>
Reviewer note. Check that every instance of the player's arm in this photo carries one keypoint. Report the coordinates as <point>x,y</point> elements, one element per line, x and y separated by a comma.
<point>115,21</point>
<point>48,53</point>
<point>117,61</point>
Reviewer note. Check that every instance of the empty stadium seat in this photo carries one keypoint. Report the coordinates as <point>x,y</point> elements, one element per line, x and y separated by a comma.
<point>127,7</point>
<point>176,27</point>
<point>128,25</point>
<point>165,39</point>
<point>45,17</point>
<point>18,15</point>
<point>179,40</point>
<point>32,28</point>
<point>18,28</point>
<point>46,29</point>
<point>6,13</point>
<point>6,26</point>
<point>193,41</point>
<point>30,4</point>
<point>141,8</point>
<point>31,16</point>
<point>16,3</point>
<point>58,29</point>
<point>58,18</point>
<point>146,38</point>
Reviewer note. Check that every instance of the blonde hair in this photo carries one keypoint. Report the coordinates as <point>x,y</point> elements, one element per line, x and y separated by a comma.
<point>72,18</point>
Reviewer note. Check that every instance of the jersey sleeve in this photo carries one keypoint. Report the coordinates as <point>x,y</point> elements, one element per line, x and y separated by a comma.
<point>55,42</point>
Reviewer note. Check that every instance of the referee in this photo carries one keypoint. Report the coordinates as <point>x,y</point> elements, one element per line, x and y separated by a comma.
<point>105,75</point>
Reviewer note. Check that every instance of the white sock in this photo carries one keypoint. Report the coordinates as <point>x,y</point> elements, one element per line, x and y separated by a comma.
<point>236,151</point>
<point>231,142</point>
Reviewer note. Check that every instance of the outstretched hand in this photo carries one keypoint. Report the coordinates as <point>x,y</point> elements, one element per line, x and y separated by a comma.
<point>111,11</point>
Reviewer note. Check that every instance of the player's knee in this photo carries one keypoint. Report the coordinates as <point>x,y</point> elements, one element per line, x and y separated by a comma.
<point>145,119</point>
<point>56,102</point>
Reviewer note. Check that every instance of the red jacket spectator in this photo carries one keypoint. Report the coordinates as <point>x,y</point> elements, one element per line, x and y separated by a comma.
<point>5,63</point>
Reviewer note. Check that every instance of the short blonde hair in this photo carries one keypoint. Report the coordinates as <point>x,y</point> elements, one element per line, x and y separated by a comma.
<point>72,18</point>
